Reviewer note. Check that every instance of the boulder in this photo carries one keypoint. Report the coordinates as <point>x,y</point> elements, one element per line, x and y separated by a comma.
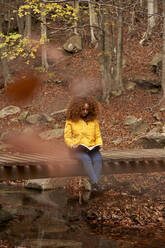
<point>153,139</point>
<point>73,44</point>
<point>23,115</point>
<point>46,183</point>
<point>9,110</point>
<point>51,134</point>
<point>5,216</point>
<point>33,119</point>
<point>156,63</point>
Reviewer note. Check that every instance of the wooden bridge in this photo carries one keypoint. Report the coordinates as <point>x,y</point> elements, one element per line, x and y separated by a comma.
<point>30,166</point>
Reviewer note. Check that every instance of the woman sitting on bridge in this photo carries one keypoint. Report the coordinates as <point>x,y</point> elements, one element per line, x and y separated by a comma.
<point>82,135</point>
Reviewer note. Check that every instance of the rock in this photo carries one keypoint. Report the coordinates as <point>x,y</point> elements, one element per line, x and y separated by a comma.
<point>5,216</point>
<point>157,116</point>
<point>117,141</point>
<point>14,119</point>
<point>73,44</point>
<point>28,106</point>
<point>130,120</point>
<point>146,83</point>
<point>116,92</point>
<point>113,123</point>
<point>130,86</point>
<point>51,224</point>
<point>156,63</point>
<point>163,129</point>
<point>31,215</point>
<point>23,115</point>
<point>156,59</point>
<point>56,82</point>
<point>152,139</point>
<point>46,118</point>
<point>138,127</point>
<point>56,126</point>
<point>153,131</point>
<point>33,119</point>
<point>51,134</point>
<point>157,123</point>
<point>155,90</point>
<point>46,183</point>
<point>63,111</point>
<point>9,110</point>
<point>51,243</point>
<point>162,109</point>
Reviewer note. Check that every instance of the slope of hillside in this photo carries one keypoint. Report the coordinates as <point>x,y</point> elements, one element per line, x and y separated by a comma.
<point>70,74</point>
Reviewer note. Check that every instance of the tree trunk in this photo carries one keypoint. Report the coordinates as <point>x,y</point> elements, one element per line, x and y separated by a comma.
<point>44,41</point>
<point>93,22</point>
<point>105,58</point>
<point>155,6</point>
<point>151,8</point>
<point>28,25</point>
<point>111,56</point>
<point>151,15</point>
<point>5,69</point>
<point>119,58</point>
<point>20,24</point>
<point>141,3</point>
<point>20,21</point>
<point>76,10</point>
<point>163,58</point>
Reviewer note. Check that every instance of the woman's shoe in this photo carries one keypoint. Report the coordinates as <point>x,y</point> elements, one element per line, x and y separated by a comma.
<point>95,187</point>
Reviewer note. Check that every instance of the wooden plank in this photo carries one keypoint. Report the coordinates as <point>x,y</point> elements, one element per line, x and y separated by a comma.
<point>25,166</point>
<point>107,155</point>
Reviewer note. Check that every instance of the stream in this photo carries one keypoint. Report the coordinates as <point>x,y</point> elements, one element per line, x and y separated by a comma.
<point>31,218</point>
<point>54,219</point>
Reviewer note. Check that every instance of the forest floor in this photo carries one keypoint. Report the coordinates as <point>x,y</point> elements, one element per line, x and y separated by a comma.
<point>71,74</point>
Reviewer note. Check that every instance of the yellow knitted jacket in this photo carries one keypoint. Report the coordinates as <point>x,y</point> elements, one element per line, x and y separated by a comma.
<point>81,132</point>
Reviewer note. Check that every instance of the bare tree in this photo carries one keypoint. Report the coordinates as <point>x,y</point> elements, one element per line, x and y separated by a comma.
<point>93,21</point>
<point>163,57</point>
<point>111,47</point>
<point>44,41</point>
<point>151,15</point>
<point>119,58</point>
<point>76,10</point>
<point>28,25</point>
<point>20,20</point>
<point>152,11</point>
<point>105,55</point>
<point>5,69</point>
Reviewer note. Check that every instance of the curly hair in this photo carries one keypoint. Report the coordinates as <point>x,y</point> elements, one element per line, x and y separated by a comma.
<point>77,103</point>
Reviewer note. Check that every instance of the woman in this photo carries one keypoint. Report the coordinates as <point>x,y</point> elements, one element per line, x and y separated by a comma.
<point>82,129</point>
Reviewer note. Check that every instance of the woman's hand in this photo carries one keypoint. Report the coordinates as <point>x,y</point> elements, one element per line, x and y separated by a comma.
<point>101,149</point>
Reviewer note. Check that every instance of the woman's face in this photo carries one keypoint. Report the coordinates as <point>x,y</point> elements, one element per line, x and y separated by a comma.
<point>85,110</point>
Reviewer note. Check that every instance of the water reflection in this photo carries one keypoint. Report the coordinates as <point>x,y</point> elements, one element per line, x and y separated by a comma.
<point>43,219</point>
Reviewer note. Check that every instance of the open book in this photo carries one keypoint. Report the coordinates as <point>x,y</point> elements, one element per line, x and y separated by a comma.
<point>83,147</point>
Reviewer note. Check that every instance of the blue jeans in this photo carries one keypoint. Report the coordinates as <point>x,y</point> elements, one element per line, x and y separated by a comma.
<point>92,163</point>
